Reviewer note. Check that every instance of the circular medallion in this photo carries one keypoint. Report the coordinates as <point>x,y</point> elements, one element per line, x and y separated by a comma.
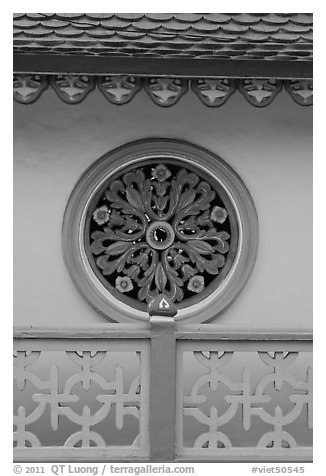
<point>162,224</point>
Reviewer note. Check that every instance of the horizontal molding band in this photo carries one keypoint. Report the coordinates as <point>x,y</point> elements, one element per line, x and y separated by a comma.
<point>109,331</point>
<point>176,67</point>
<point>164,91</point>
<point>46,454</point>
<point>208,332</point>
<point>302,454</point>
<point>113,454</point>
<point>183,332</point>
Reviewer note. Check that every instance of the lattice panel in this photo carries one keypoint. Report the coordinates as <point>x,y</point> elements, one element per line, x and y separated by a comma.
<point>240,400</point>
<point>92,398</point>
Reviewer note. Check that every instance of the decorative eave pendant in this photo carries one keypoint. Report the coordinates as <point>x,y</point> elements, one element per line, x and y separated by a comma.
<point>163,91</point>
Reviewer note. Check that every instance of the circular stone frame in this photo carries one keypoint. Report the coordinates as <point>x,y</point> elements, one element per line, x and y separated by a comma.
<point>109,164</point>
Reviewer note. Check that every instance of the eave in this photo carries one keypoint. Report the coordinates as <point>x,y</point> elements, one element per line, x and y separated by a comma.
<point>170,67</point>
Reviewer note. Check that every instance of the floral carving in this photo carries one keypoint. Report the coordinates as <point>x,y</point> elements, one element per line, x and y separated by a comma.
<point>28,88</point>
<point>196,284</point>
<point>161,173</point>
<point>166,91</point>
<point>260,92</point>
<point>158,228</point>
<point>213,92</point>
<point>219,214</point>
<point>101,215</point>
<point>301,91</point>
<point>119,89</point>
<point>123,284</point>
<point>72,89</point>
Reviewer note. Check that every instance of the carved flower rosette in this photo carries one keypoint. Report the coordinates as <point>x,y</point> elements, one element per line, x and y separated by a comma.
<point>161,227</point>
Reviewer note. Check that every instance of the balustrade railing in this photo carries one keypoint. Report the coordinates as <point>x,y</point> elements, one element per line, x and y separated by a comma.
<point>88,394</point>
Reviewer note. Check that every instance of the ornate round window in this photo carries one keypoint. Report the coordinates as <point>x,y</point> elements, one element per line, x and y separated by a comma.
<point>160,216</point>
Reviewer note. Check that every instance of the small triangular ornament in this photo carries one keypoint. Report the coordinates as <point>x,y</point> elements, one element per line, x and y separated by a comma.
<point>161,305</point>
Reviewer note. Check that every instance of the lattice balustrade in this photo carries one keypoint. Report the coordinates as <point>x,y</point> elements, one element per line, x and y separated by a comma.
<point>244,400</point>
<point>237,399</point>
<point>90,400</point>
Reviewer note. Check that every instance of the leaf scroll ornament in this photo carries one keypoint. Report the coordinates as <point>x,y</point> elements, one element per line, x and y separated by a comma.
<point>160,228</point>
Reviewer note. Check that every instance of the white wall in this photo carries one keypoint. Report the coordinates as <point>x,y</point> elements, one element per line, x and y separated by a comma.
<point>271,149</point>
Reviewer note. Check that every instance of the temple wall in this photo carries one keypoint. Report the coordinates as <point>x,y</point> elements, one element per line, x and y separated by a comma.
<point>270,148</point>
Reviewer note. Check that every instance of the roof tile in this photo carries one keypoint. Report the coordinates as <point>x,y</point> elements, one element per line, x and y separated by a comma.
<point>188,17</point>
<point>85,20</point>
<point>224,36</point>
<point>39,16</point>
<point>302,19</point>
<point>38,32</point>
<point>231,35</point>
<point>81,42</point>
<point>234,28</point>
<point>176,43</point>
<point>159,16</point>
<point>27,42</point>
<point>296,28</point>
<point>132,35</point>
<point>262,27</point>
<point>285,37</point>
<point>114,40</point>
<point>307,36</point>
<point>205,27</point>
<point>129,16</point>
<point>66,47</point>
<point>100,33</point>
<point>164,37</point>
<point>245,18</point>
<point>115,24</point>
<point>217,17</point>
<point>146,25</point>
<point>99,16</point>
<point>256,37</point>
<point>146,41</point>
<point>174,25</point>
<point>69,32</point>
<point>72,16</point>
<point>26,23</point>
<point>274,19</point>
<point>52,23</point>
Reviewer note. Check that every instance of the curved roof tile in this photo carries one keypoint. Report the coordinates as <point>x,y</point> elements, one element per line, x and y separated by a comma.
<point>243,35</point>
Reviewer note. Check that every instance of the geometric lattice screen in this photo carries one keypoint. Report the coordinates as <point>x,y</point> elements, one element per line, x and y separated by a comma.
<point>231,400</point>
<point>231,397</point>
<point>82,399</point>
